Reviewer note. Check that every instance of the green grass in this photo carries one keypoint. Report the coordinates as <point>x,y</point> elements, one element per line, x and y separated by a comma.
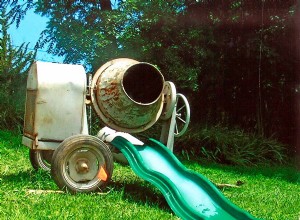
<point>267,193</point>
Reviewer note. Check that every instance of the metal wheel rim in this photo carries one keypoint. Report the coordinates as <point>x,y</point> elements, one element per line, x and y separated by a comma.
<point>66,167</point>
<point>185,107</point>
<point>43,160</point>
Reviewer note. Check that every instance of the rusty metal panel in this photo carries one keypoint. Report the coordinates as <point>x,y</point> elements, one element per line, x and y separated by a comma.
<point>41,145</point>
<point>55,103</point>
<point>30,110</point>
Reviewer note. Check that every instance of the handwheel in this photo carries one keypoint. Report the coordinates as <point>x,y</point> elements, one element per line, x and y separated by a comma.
<point>82,163</point>
<point>182,115</point>
<point>41,159</point>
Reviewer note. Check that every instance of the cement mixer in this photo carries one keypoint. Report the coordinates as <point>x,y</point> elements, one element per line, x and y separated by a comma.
<point>127,95</point>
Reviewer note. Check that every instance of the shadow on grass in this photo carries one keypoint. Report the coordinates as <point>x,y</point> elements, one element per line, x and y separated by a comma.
<point>26,177</point>
<point>285,173</point>
<point>142,193</point>
<point>139,192</point>
<point>23,176</point>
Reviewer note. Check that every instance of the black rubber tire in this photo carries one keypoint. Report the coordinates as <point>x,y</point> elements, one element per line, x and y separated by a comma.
<point>70,153</point>
<point>41,159</point>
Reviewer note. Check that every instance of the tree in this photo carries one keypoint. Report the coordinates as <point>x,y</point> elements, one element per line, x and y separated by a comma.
<point>82,31</point>
<point>14,64</point>
<point>251,81</point>
<point>17,10</point>
<point>232,58</point>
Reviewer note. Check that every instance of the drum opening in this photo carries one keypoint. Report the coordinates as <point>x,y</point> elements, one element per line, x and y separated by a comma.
<point>143,83</point>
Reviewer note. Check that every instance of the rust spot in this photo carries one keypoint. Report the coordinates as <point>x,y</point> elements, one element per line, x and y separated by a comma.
<point>32,136</point>
<point>110,89</point>
<point>116,98</point>
<point>41,102</point>
<point>110,92</point>
<point>47,120</point>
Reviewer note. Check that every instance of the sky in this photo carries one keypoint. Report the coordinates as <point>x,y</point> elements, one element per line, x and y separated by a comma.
<point>29,32</point>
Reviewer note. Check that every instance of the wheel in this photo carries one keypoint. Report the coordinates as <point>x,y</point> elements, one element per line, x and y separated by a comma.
<point>117,155</point>
<point>182,115</point>
<point>82,163</point>
<point>41,159</point>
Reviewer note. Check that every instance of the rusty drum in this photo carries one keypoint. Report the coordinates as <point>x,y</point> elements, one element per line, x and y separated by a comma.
<point>127,94</point>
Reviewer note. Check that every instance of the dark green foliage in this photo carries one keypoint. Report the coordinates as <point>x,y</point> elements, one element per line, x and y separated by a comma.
<point>250,77</point>
<point>81,31</point>
<point>236,60</point>
<point>226,146</point>
<point>17,9</point>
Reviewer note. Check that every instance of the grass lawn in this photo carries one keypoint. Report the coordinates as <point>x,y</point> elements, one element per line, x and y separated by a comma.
<point>267,193</point>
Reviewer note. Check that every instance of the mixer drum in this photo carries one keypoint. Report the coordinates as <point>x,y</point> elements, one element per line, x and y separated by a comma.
<point>127,94</point>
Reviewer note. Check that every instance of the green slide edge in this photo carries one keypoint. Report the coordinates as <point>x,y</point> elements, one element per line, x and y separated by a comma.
<point>167,187</point>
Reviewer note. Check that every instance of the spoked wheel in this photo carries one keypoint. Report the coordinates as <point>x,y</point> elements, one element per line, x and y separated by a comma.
<point>41,159</point>
<point>82,163</point>
<point>182,115</point>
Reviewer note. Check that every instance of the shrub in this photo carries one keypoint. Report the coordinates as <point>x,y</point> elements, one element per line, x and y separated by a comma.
<point>226,146</point>
<point>12,108</point>
<point>14,64</point>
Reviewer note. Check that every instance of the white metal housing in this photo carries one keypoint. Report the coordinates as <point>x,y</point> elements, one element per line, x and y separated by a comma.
<point>55,104</point>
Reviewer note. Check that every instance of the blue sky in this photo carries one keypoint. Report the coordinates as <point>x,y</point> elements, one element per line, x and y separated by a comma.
<point>29,32</point>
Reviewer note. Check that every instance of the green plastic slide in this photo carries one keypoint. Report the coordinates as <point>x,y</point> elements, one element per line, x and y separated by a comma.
<point>189,194</point>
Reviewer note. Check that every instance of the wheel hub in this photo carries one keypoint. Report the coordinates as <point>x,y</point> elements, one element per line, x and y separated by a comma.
<point>82,166</point>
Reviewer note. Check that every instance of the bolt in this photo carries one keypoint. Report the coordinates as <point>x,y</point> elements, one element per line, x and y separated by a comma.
<point>82,167</point>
